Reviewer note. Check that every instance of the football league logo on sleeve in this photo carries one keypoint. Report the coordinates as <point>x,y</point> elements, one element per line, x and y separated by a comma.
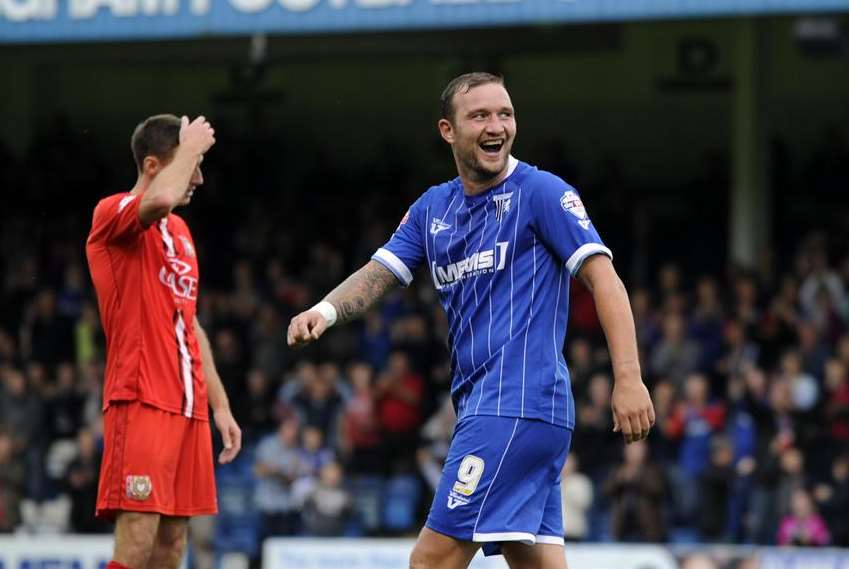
<point>139,487</point>
<point>571,203</point>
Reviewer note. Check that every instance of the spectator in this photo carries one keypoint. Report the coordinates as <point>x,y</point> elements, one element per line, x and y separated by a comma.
<point>313,454</point>
<point>8,350</point>
<point>581,366</point>
<point>22,415</point>
<point>715,488</point>
<point>230,362</point>
<point>675,355</point>
<point>12,476</point>
<point>746,300</point>
<point>89,342</point>
<point>256,414</point>
<point>791,477</point>
<point>576,499</point>
<point>64,404</point>
<point>265,338</point>
<point>319,403</point>
<point>47,336</point>
<point>645,320</point>
<point>360,439</point>
<point>822,294</point>
<point>399,393</point>
<point>81,479</point>
<point>375,344</point>
<point>595,443</point>
<point>833,499</point>
<point>812,350</point>
<point>664,448</point>
<point>777,328</point>
<point>669,281</point>
<point>706,325</point>
<point>738,353</point>
<point>637,490</point>
<point>693,422</point>
<point>328,506</point>
<point>836,412</point>
<point>276,467</point>
<point>303,373</point>
<point>803,526</point>
<point>69,302</point>
<point>803,387</point>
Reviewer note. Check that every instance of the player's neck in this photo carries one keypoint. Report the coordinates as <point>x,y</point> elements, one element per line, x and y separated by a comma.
<point>141,186</point>
<point>472,186</point>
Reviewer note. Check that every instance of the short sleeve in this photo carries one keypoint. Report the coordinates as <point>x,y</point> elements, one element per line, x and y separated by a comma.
<point>561,221</point>
<point>405,250</point>
<point>117,219</point>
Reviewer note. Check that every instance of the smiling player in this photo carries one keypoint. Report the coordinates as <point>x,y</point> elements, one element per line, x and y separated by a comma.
<point>501,242</point>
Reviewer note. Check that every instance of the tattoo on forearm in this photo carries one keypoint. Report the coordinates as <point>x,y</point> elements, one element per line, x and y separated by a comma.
<point>361,291</point>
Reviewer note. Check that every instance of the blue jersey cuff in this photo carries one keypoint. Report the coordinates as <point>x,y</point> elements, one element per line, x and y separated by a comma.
<point>391,261</point>
<point>583,253</point>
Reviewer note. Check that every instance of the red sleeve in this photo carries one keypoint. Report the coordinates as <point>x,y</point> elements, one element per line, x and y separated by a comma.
<point>116,218</point>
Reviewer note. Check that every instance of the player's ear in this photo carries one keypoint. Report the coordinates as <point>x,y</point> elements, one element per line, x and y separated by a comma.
<point>151,166</point>
<point>446,130</point>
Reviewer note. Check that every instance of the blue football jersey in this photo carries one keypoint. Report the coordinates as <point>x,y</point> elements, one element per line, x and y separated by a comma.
<point>501,263</point>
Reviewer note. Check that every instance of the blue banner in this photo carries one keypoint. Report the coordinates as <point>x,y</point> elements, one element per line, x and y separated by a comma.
<point>74,20</point>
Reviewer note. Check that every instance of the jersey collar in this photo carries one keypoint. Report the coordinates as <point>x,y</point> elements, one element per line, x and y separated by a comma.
<point>512,164</point>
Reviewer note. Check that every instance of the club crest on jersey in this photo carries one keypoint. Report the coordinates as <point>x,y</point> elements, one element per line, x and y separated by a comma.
<point>438,225</point>
<point>502,204</point>
<point>139,487</point>
<point>188,248</point>
<point>571,203</point>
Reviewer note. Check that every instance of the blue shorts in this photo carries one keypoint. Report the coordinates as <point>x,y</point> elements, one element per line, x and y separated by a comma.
<point>501,482</point>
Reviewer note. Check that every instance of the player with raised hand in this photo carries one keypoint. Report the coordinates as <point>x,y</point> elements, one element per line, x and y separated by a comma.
<point>160,377</point>
<point>501,242</point>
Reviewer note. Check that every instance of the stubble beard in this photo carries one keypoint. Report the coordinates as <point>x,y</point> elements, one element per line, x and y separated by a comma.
<point>474,166</point>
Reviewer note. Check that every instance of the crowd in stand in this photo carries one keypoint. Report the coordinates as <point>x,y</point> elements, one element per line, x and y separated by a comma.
<point>749,372</point>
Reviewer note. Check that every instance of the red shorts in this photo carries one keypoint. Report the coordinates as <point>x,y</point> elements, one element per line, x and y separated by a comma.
<point>155,461</point>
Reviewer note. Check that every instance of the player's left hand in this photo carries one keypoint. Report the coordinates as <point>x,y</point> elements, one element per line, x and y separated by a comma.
<point>633,412</point>
<point>231,434</point>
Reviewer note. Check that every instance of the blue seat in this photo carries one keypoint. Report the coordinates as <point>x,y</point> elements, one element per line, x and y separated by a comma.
<point>237,527</point>
<point>400,503</point>
<point>367,492</point>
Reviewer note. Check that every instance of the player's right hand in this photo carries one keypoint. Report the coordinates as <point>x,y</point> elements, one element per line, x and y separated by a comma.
<point>198,135</point>
<point>306,327</point>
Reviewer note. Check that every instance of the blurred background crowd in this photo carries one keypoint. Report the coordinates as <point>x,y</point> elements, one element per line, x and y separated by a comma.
<point>748,367</point>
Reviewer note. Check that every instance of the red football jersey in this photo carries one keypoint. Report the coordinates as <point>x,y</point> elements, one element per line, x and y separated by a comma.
<point>146,280</point>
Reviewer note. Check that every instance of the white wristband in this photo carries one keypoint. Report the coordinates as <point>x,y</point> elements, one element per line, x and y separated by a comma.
<point>327,310</point>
